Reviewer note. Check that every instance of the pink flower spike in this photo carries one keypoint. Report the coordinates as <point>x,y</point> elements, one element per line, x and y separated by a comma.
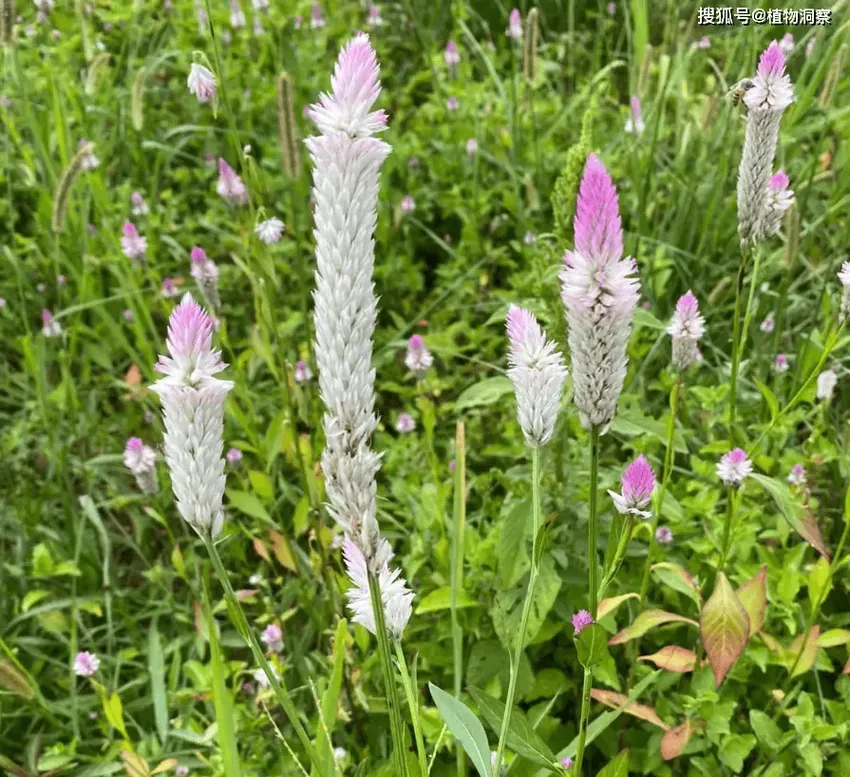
<point>191,357</point>
<point>129,229</point>
<point>581,620</point>
<point>514,25</point>
<point>86,664</point>
<point>663,535</point>
<point>779,181</point>
<point>734,467</point>
<point>797,476</point>
<point>772,61</point>
<point>198,255</point>
<point>637,484</point>
<point>272,636</point>
<point>598,232</point>
<point>134,445</point>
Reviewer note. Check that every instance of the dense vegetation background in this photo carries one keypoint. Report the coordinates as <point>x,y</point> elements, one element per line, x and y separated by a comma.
<point>89,563</point>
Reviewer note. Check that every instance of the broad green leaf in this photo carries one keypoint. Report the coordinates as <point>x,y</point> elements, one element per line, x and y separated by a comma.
<point>607,606</point>
<point>247,503</point>
<point>522,738</point>
<point>769,397</point>
<point>156,668</point>
<point>506,610</point>
<point>647,620</point>
<point>467,729</point>
<point>679,579</point>
<point>262,485</point>
<point>33,597</point>
<point>114,711</point>
<point>676,739</point>
<point>591,645</point>
<point>833,638</point>
<point>819,583</point>
<point>617,767</point>
<point>767,732</point>
<point>486,392</point>
<point>673,658</point>
<point>798,516</point>
<point>440,599</point>
<point>725,628</point>
<point>734,749</point>
<point>621,702</point>
<point>512,550</point>
<point>42,561</point>
<point>753,597</point>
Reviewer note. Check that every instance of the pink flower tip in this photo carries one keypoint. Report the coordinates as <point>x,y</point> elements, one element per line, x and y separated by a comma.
<point>514,17</point>
<point>46,317</point>
<point>638,481</point>
<point>129,229</point>
<point>581,620</point>
<point>198,255</point>
<point>737,455</point>
<point>86,664</point>
<point>518,322</point>
<point>687,303</point>
<point>772,61</point>
<point>234,455</point>
<point>567,762</point>
<point>415,342</point>
<point>779,181</point>
<point>134,444</point>
<point>598,233</point>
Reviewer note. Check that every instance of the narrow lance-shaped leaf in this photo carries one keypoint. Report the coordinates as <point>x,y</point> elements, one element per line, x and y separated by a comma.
<point>673,658</point>
<point>725,628</point>
<point>616,767</point>
<point>647,620</point>
<point>467,729</point>
<point>833,638</point>
<point>679,579</point>
<point>621,702</point>
<point>810,652</point>
<point>607,606</point>
<point>753,596</point>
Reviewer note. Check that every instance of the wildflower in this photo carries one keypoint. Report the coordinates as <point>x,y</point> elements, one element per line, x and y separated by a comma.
<point>270,230</point>
<point>374,19</point>
<point>272,636</point>
<point>230,185</point>
<point>567,762</point>
<point>844,277</point>
<point>686,328</point>
<point>452,465</point>
<point>637,484</point>
<point>408,204</point>
<point>340,753</point>
<point>89,161</point>
<point>140,459</point>
<point>302,372</point>
<point>297,22</point>
<point>612,9</point>
<point>452,56</point>
<point>44,6</point>
<point>260,5</point>
<point>50,326</point>
<point>181,771</point>
<point>514,25</point>
<point>396,597</point>
<point>234,457</point>
<point>780,364</point>
<point>529,239</point>
<point>346,167</point>
<point>405,423</point>
<point>537,372</point>
<point>704,42</point>
<point>41,287</point>
<point>827,381</point>
<point>255,579</point>
<point>262,679</point>
<point>452,103</point>
<point>133,245</point>
<point>169,288</point>
<point>86,664</point>
<point>663,535</point>
<point>138,205</point>
<point>237,16</point>
<point>418,359</point>
<point>472,146</point>
<point>734,467</point>
<point>193,411</point>
<point>600,295</point>
<point>787,43</point>
<point>205,273</point>
<point>768,325</point>
<point>797,475</point>
<point>202,83</point>
<point>316,20</point>
<point>129,315</point>
<point>634,124</point>
<point>581,620</point>
<point>766,96</point>
<point>61,281</point>
<point>779,199</point>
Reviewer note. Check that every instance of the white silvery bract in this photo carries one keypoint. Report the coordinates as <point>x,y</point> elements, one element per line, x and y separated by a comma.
<point>396,596</point>
<point>193,412</point>
<point>844,277</point>
<point>537,372</point>
<point>686,329</point>
<point>766,97</point>
<point>140,459</point>
<point>827,381</point>
<point>346,166</point>
<point>202,83</point>
<point>600,294</point>
<point>270,230</point>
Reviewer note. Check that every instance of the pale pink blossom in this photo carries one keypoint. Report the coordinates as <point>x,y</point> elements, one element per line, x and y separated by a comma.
<point>734,467</point>
<point>138,205</point>
<point>272,637</point>
<point>514,25</point>
<point>169,288</point>
<point>704,42</point>
<point>316,19</point>
<point>230,186</point>
<point>452,103</point>
<point>140,459</point>
<point>771,86</point>
<point>50,327</point>
<point>686,329</point>
<point>374,19</point>
<point>270,230</point>
<point>780,364</point>
<point>408,204</point>
<point>234,457</point>
<point>634,124</point>
<point>472,147</point>
<point>418,358</point>
<point>303,373</point>
<point>452,56</point>
<point>202,83</point>
<point>405,423</point>
<point>237,15</point>
<point>844,277</point>
<point>86,664</point>
<point>827,382</point>
<point>787,43</point>
<point>797,475</point>
<point>637,485</point>
<point>663,535</point>
<point>768,325</point>
<point>133,244</point>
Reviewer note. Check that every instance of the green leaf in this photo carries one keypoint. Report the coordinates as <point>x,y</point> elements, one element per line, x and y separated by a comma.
<point>440,599</point>
<point>735,748</point>
<point>753,597</point>
<point>647,620</point>
<point>486,392</point>
<point>246,502</point>
<point>725,628</point>
<point>262,485</point>
<point>591,645</point>
<point>522,738</point>
<point>467,729</point>
<point>156,668</point>
<point>114,711</point>
<point>798,516</point>
<point>506,610</point>
<point>819,583</point>
<point>618,767</point>
<point>833,638</point>
<point>607,606</point>
<point>512,550</point>
<point>42,561</point>
<point>767,732</point>
<point>330,700</point>
<point>679,579</point>
<point>769,397</point>
<point>33,597</point>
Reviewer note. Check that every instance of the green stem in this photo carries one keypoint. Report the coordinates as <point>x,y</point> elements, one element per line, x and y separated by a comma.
<point>237,615</point>
<point>526,608</point>
<point>662,492</point>
<point>731,514</point>
<point>413,705</point>
<point>458,523</point>
<point>585,715</point>
<point>393,708</point>
<point>736,350</point>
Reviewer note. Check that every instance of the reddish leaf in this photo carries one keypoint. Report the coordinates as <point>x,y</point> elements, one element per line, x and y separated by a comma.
<point>282,551</point>
<point>753,596</point>
<point>262,550</point>
<point>833,638</point>
<point>607,606</point>
<point>647,620</point>
<point>724,627</point>
<point>620,701</point>
<point>772,643</point>
<point>673,658</point>
<point>133,376</point>
<point>810,652</point>
<point>675,740</point>
<point>810,531</point>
